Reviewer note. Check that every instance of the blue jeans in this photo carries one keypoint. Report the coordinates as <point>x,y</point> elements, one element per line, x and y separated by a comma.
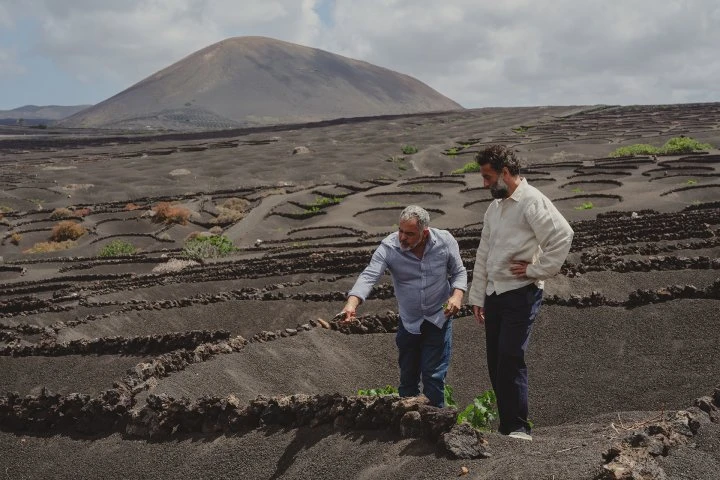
<point>508,322</point>
<point>425,356</point>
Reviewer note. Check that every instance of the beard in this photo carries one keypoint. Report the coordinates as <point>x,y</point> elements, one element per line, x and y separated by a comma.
<point>500,189</point>
<point>407,247</point>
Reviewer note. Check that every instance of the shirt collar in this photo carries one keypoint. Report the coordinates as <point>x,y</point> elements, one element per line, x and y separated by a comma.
<point>520,190</point>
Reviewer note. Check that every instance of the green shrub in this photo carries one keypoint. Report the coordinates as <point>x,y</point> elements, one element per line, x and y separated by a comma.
<point>398,161</point>
<point>452,151</point>
<point>680,145</point>
<point>213,246</point>
<point>371,392</point>
<point>322,202</point>
<point>327,201</point>
<point>469,167</point>
<point>117,248</point>
<point>674,146</point>
<point>637,149</point>
<point>390,390</point>
<point>585,206</point>
<point>448,394</point>
<point>409,149</point>
<point>481,412</point>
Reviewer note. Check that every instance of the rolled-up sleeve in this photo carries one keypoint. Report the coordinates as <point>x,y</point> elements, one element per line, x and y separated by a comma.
<point>554,236</point>
<point>372,273</point>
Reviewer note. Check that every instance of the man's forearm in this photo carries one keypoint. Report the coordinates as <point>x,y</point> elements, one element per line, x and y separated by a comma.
<point>458,294</point>
<point>353,301</point>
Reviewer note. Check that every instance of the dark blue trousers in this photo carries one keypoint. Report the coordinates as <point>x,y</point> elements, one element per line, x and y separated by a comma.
<point>425,356</point>
<point>508,321</point>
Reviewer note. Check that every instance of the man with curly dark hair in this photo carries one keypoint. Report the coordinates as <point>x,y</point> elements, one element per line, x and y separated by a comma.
<point>524,241</point>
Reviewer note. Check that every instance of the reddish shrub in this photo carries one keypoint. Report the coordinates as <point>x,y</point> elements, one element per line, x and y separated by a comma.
<point>165,212</point>
<point>67,230</point>
<point>82,212</point>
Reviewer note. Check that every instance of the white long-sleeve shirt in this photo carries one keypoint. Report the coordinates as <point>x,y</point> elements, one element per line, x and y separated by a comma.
<point>523,227</point>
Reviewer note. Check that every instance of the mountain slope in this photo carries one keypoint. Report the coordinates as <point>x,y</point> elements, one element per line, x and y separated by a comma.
<point>33,114</point>
<point>260,81</point>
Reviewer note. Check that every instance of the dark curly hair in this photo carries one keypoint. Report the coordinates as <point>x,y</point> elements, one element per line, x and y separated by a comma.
<point>499,156</point>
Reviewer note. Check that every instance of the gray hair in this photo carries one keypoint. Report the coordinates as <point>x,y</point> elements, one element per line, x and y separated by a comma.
<point>413,212</point>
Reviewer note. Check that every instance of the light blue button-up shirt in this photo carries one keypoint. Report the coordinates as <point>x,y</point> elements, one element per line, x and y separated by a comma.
<point>421,285</point>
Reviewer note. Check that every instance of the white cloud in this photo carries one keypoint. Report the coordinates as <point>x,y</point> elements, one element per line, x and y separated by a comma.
<point>9,65</point>
<point>529,52</point>
<point>124,42</point>
<point>514,52</point>
<point>5,20</point>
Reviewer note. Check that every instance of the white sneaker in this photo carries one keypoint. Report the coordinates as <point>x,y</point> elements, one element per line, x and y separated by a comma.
<point>521,435</point>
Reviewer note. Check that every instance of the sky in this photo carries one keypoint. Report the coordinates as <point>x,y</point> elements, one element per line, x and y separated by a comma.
<point>480,53</point>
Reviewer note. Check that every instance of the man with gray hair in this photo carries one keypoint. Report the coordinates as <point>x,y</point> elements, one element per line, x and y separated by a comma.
<point>429,280</point>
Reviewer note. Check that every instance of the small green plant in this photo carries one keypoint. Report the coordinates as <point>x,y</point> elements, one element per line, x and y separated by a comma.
<point>481,412</point>
<point>212,246</point>
<point>452,151</point>
<point>372,392</point>
<point>409,149</point>
<point>691,181</point>
<point>577,190</point>
<point>322,202</point>
<point>674,146</point>
<point>448,394</point>
<point>637,149</point>
<point>522,128</point>
<point>398,161</point>
<point>117,248</point>
<point>585,206</point>
<point>683,144</point>
<point>469,167</point>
